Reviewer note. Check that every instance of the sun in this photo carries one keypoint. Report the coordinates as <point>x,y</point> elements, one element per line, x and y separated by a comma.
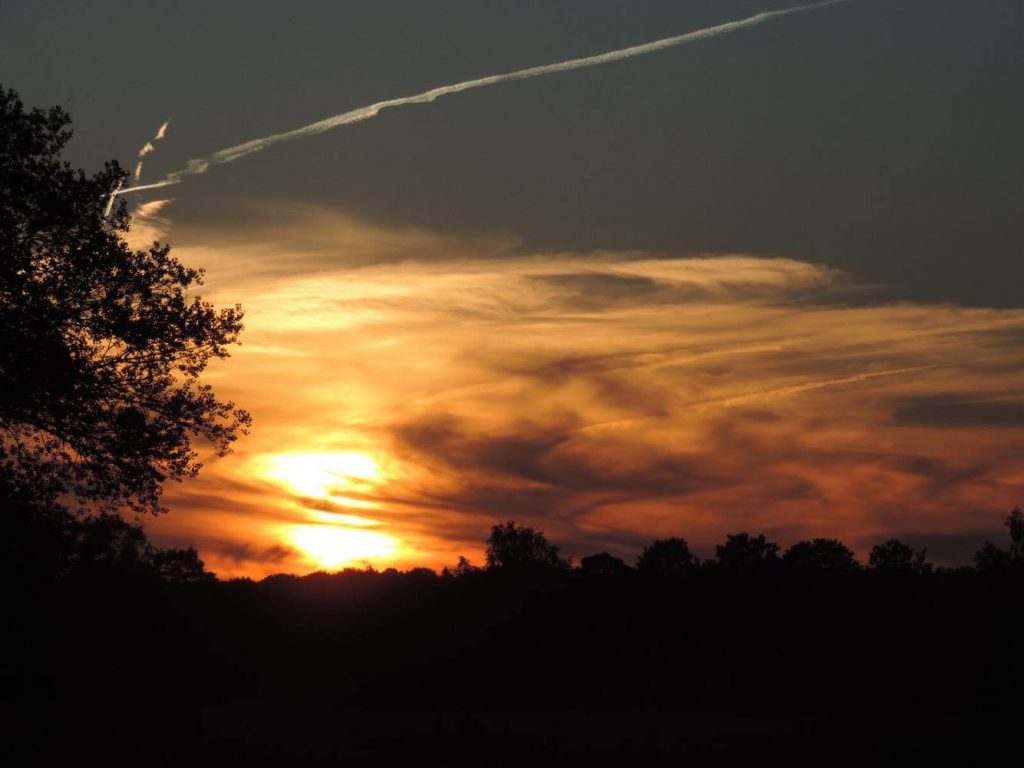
<point>346,479</point>
<point>333,547</point>
<point>323,475</point>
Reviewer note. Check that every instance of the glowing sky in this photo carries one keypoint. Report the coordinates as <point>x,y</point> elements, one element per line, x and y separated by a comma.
<point>402,407</point>
<point>770,282</point>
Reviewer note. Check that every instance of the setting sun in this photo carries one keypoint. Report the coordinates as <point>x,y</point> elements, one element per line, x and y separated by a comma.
<point>331,547</point>
<point>322,475</point>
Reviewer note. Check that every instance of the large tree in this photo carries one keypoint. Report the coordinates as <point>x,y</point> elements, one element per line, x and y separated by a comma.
<point>101,345</point>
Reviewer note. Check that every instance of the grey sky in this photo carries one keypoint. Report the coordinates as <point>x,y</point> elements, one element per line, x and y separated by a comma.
<point>882,137</point>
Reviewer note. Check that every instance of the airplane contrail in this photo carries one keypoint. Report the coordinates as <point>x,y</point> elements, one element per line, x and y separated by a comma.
<point>146,149</point>
<point>230,154</point>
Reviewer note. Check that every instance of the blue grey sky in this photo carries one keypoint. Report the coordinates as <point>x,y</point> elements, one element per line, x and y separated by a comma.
<point>881,137</point>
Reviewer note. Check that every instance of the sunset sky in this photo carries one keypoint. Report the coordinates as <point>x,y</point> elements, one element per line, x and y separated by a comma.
<point>769,281</point>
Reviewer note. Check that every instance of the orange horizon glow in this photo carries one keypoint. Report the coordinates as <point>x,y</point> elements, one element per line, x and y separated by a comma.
<point>403,406</point>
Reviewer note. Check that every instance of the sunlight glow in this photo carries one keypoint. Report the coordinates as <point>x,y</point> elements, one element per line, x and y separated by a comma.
<point>332,547</point>
<point>323,475</point>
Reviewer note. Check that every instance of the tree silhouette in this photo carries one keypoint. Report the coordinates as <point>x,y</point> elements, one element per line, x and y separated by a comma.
<point>826,554</point>
<point>603,564</point>
<point>992,557</point>
<point>101,346</point>
<point>742,551</point>
<point>1015,522</point>
<point>665,557</point>
<point>180,566</point>
<point>464,568</point>
<point>516,546</point>
<point>893,555</point>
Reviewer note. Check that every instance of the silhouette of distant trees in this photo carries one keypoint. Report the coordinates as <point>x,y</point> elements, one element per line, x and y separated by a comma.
<point>603,564</point>
<point>812,634</point>
<point>462,568</point>
<point>665,557</point>
<point>101,345</point>
<point>511,545</point>
<point>741,551</point>
<point>895,556</point>
<point>1015,524</point>
<point>821,554</point>
<point>991,557</point>
<point>180,566</point>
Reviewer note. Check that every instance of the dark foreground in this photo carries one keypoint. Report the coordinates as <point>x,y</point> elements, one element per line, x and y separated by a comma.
<point>291,735</point>
<point>773,666</point>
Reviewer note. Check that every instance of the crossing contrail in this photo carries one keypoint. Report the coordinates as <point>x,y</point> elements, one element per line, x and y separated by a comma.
<point>146,149</point>
<point>230,154</point>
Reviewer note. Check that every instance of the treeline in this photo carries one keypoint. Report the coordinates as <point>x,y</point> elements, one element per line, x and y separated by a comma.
<point>754,630</point>
<point>48,543</point>
<point>514,546</point>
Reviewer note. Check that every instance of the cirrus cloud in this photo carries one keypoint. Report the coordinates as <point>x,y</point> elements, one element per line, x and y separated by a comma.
<point>607,397</point>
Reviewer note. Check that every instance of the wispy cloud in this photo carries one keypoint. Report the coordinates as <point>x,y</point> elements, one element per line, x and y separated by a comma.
<point>148,225</point>
<point>608,398</point>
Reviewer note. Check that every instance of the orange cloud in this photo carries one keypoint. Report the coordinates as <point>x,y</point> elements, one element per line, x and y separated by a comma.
<point>148,225</point>
<point>608,398</point>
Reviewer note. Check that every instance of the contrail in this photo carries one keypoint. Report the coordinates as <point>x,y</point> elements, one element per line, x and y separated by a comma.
<point>110,200</point>
<point>149,147</point>
<point>146,149</point>
<point>230,154</point>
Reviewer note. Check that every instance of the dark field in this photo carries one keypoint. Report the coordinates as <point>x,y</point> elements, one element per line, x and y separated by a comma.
<point>292,733</point>
<point>505,667</point>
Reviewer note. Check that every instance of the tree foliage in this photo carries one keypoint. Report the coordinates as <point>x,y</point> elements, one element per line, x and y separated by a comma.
<point>603,564</point>
<point>992,557</point>
<point>516,546</point>
<point>742,551</point>
<point>666,556</point>
<point>101,345</point>
<point>895,556</point>
<point>1015,524</point>
<point>824,554</point>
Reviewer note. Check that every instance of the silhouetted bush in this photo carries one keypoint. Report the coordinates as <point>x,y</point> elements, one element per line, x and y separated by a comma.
<point>603,564</point>
<point>742,552</point>
<point>821,554</point>
<point>992,558</point>
<point>666,557</point>
<point>511,545</point>
<point>895,556</point>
